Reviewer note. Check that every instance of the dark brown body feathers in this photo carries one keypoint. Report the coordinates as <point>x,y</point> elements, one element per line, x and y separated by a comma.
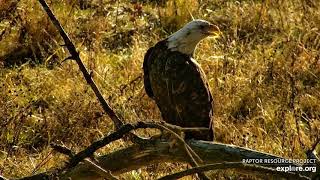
<point>180,89</point>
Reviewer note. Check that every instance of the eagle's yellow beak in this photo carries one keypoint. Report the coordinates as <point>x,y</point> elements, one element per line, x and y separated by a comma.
<point>213,30</point>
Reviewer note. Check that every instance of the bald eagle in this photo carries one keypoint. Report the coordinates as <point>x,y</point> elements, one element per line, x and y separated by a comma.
<point>177,83</point>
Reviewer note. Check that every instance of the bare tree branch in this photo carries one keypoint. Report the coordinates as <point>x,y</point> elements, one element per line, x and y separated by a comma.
<point>75,55</point>
<point>62,149</point>
<point>103,142</point>
<point>159,151</point>
<point>76,158</point>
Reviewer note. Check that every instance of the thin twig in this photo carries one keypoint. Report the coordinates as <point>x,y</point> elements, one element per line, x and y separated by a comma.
<point>232,165</point>
<point>44,161</point>
<point>133,81</point>
<point>75,55</point>
<point>104,173</point>
<point>62,149</point>
<point>189,150</point>
<point>117,14</point>
<point>315,144</point>
<point>194,162</point>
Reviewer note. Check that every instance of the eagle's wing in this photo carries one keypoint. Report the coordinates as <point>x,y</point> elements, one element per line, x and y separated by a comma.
<point>188,91</point>
<point>146,61</point>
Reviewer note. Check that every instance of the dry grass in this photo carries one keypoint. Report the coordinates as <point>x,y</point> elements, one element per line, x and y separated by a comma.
<point>264,74</point>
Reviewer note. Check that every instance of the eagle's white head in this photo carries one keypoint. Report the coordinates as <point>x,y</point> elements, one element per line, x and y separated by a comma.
<point>186,39</point>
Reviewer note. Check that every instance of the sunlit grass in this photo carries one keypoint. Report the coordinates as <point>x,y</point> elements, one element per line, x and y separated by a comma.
<point>263,72</point>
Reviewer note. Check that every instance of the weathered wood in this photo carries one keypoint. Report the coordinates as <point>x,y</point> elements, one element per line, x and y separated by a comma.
<point>157,151</point>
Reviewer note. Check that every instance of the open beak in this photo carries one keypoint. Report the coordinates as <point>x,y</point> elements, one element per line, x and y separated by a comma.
<point>212,30</point>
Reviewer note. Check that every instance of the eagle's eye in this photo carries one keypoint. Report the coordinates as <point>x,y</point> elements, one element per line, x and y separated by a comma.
<point>202,26</point>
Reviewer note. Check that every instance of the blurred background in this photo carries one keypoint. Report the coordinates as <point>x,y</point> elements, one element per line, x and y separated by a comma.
<point>264,73</point>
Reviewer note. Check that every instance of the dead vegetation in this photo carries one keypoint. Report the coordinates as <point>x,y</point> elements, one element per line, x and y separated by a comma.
<point>264,74</point>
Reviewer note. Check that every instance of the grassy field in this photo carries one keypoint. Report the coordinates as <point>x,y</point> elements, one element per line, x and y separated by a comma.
<point>264,73</point>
